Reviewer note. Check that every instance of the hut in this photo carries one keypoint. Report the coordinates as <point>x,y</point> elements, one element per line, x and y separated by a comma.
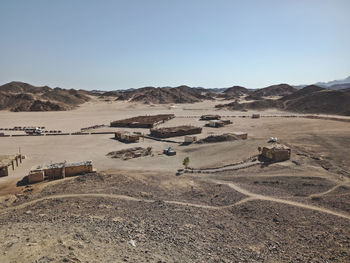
<point>4,170</point>
<point>148,121</point>
<point>175,131</point>
<point>7,161</point>
<point>215,124</point>
<point>276,152</point>
<point>190,139</point>
<point>59,170</point>
<point>210,117</point>
<point>241,135</point>
<point>218,123</point>
<point>127,137</point>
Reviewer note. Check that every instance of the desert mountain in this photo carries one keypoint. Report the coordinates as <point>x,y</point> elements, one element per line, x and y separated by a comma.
<point>233,92</point>
<point>237,91</point>
<point>329,84</point>
<point>311,99</point>
<point>274,90</point>
<point>340,86</point>
<point>165,95</point>
<point>19,96</point>
<point>319,101</point>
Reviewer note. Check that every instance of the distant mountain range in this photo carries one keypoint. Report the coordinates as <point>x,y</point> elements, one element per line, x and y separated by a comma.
<point>326,97</point>
<point>165,95</point>
<point>334,84</point>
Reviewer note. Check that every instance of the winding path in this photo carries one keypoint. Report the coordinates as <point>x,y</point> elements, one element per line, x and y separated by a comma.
<point>237,166</point>
<point>114,196</point>
<point>255,196</point>
<point>346,183</point>
<point>251,197</point>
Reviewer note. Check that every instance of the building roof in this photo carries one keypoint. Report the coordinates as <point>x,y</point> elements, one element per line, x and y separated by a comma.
<point>59,165</point>
<point>176,129</point>
<point>238,133</point>
<point>277,146</point>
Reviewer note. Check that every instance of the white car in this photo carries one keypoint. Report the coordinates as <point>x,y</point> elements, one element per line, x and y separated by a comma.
<point>272,139</point>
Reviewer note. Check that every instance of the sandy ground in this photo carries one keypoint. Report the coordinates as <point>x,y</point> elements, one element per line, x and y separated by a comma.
<point>39,150</point>
<point>295,211</point>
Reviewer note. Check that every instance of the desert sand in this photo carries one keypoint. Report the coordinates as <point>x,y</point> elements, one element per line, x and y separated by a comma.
<point>297,210</point>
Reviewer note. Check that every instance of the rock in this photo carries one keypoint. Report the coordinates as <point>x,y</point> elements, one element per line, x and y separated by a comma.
<point>132,242</point>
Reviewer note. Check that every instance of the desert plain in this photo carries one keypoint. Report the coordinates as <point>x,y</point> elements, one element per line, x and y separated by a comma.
<point>139,210</point>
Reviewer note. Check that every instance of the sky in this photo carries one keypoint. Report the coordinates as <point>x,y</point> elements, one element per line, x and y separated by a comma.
<point>121,44</point>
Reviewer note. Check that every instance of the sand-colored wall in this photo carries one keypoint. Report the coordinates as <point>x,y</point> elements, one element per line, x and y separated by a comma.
<point>54,173</point>
<point>281,155</point>
<point>36,177</point>
<point>75,170</point>
<point>243,136</point>
<point>277,155</point>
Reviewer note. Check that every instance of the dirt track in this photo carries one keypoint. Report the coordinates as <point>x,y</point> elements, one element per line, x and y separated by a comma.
<point>251,197</point>
<point>277,200</point>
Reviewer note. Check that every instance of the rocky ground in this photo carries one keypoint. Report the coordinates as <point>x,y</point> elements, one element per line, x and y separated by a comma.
<point>259,214</point>
<point>130,153</point>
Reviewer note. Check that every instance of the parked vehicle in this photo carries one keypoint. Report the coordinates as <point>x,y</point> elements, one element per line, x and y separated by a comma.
<point>33,131</point>
<point>272,139</point>
<point>169,152</point>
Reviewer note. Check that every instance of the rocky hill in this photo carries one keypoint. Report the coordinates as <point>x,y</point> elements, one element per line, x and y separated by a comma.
<point>19,96</point>
<point>234,92</point>
<point>311,99</point>
<point>237,91</point>
<point>274,90</point>
<point>319,101</point>
<point>152,95</point>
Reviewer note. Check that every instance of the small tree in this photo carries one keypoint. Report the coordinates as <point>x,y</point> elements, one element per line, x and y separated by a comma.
<point>259,149</point>
<point>186,162</point>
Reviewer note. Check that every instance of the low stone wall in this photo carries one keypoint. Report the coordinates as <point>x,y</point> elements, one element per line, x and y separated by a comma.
<point>54,173</point>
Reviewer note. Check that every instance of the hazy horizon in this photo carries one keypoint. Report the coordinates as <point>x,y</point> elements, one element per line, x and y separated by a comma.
<point>110,45</point>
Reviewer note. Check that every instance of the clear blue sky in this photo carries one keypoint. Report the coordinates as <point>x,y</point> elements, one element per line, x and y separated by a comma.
<point>121,44</point>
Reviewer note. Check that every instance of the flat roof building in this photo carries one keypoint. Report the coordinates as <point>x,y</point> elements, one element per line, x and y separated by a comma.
<point>276,152</point>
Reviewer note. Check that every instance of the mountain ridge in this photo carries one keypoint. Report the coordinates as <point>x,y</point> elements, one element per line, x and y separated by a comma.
<point>21,96</point>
